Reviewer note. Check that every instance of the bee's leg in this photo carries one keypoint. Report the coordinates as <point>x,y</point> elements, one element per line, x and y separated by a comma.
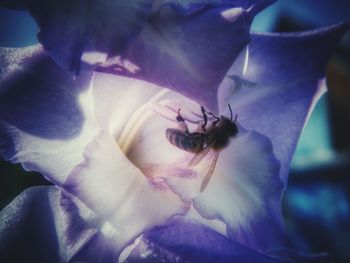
<point>181,122</point>
<point>217,119</point>
<point>216,122</point>
<point>231,114</point>
<point>205,119</point>
<point>229,107</point>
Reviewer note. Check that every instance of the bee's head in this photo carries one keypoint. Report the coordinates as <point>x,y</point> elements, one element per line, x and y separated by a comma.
<point>228,126</point>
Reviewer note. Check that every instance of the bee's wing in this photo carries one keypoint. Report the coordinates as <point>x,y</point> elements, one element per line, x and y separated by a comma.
<point>210,171</point>
<point>199,156</point>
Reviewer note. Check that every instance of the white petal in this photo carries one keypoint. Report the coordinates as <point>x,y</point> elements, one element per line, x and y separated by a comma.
<point>245,192</point>
<point>245,173</point>
<point>117,98</point>
<point>110,185</point>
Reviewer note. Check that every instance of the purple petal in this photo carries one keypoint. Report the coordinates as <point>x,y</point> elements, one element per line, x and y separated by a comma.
<point>188,7</point>
<point>43,113</point>
<point>42,225</point>
<point>68,29</point>
<point>188,241</point>
<point>287,69</point>
<point>189,54</point>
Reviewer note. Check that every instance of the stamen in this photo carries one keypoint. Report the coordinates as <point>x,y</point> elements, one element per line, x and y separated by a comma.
<point>173,106</point>
<point>169,110</point>
<point>134,130</point>
<point>135,122</point>
<point>163,110</point>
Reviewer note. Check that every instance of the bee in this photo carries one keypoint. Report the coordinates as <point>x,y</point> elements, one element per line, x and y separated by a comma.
<point>215,138</point>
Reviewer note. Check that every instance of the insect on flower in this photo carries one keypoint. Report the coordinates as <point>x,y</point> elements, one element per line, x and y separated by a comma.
<point>205,140</point>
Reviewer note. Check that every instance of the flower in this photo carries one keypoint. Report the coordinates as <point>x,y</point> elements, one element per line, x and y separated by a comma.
<point>101,140</point>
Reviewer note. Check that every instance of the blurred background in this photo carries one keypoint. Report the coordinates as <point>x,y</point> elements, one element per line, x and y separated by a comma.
<point>317,203</point>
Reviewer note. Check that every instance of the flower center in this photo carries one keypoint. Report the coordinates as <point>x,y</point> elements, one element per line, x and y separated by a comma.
<point>137,121</point>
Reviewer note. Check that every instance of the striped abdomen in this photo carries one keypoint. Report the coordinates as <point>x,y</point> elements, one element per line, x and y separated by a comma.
<point>190,142</point>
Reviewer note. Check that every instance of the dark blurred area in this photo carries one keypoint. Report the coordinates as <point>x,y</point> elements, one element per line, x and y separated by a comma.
<point>317,203</point>
<point>17,29</point>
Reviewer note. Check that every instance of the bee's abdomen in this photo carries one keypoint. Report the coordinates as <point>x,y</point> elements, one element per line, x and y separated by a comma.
<point>190,142</point>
